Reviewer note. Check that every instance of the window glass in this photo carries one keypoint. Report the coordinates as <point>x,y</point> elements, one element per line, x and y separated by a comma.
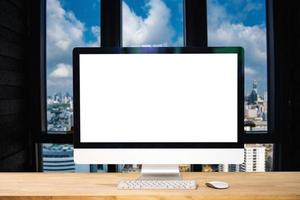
<point>243,23</point>
<point>152,23</point>
<point>257,158</point>
<point>69,24</point>
<point>59,158</point>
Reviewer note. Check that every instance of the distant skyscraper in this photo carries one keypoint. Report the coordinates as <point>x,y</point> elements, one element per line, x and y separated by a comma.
<point>58,96</point>
<point>58,158</point>
<point>253,97</point>
<point>230,168</point>
<point>265,106</point>
<point>70,118</point>
<point>255,159</point>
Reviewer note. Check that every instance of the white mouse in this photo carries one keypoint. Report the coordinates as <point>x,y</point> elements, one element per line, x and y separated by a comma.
<point>217,184</point>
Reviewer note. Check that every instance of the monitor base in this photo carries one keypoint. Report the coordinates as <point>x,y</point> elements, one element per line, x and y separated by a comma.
<point>160,172</point>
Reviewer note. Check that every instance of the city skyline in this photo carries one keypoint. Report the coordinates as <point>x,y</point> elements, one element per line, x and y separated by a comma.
<point>60,111</point>
<point>247,92</point>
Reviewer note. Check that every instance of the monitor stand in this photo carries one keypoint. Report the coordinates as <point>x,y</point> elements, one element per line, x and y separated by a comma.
<point>160,172</point>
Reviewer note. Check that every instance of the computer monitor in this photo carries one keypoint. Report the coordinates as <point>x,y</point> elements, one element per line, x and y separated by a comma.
<point>158,105</point>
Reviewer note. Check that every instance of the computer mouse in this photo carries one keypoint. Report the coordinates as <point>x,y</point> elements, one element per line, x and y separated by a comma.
<point>217,184</point>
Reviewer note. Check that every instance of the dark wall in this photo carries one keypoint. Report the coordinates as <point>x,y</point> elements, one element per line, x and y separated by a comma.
<point>15,145</point>
<point>287,83</point>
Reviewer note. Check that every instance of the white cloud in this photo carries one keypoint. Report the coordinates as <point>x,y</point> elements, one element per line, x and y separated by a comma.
<point>155,29</point>
<point>227,29</point>
<point>217,15</point>
<point>96,30</point>
<point>249,71</point>
<point>252,38</point>
<point>62,70</point>
<point>64,32</point>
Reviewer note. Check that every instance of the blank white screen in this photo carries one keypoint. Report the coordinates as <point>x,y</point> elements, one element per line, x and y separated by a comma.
<point>158,97</point>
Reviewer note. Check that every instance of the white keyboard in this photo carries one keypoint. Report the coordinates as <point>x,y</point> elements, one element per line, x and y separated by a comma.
<point>157,184</point>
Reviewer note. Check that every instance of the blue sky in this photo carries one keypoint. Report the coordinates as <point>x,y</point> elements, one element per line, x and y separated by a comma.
<point>87,11</point>
<point>249,12</point>
<point>153,22</point>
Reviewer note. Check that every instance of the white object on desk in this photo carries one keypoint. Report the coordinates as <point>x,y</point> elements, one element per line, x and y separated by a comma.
<point>158,184</point>
<point>217,184</point>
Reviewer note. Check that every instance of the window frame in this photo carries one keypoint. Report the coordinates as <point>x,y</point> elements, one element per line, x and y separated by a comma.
<point>195,34</point>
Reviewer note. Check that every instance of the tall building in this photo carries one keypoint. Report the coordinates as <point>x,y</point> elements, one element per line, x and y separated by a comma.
<point>229,168</point>
<point>70,120</point>
<point>256,110</point>
<point>58,158</point>
<point>253,97</point>
<point>254,160</point>
<point>265,105</point>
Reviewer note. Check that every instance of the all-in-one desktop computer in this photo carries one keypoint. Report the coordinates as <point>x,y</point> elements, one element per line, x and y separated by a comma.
<point>158,107</point>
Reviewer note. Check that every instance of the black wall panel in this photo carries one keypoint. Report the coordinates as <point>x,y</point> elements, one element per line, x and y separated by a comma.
<point>15,145</point>
<point>287,83</point>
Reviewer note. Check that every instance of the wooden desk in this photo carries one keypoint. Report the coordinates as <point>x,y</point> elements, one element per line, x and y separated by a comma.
<point>92,186</point>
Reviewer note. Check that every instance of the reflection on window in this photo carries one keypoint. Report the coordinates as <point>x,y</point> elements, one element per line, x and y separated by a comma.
<point>243,23</point>
<point>69,24</point>
<point>257,158</point>
<point>152,23</point>
<point>137,168</point>
<point>59,158</point>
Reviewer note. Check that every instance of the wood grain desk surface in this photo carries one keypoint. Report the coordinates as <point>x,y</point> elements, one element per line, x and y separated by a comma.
<point>54,186</point>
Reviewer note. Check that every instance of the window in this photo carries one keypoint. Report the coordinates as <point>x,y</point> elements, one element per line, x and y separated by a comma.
<point>155,23</point>
<point>69,24</point>
<point>243,23</point>
<point>152,23</point>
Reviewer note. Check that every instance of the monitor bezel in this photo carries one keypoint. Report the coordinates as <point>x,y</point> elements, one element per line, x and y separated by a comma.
<point>157,50</point>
